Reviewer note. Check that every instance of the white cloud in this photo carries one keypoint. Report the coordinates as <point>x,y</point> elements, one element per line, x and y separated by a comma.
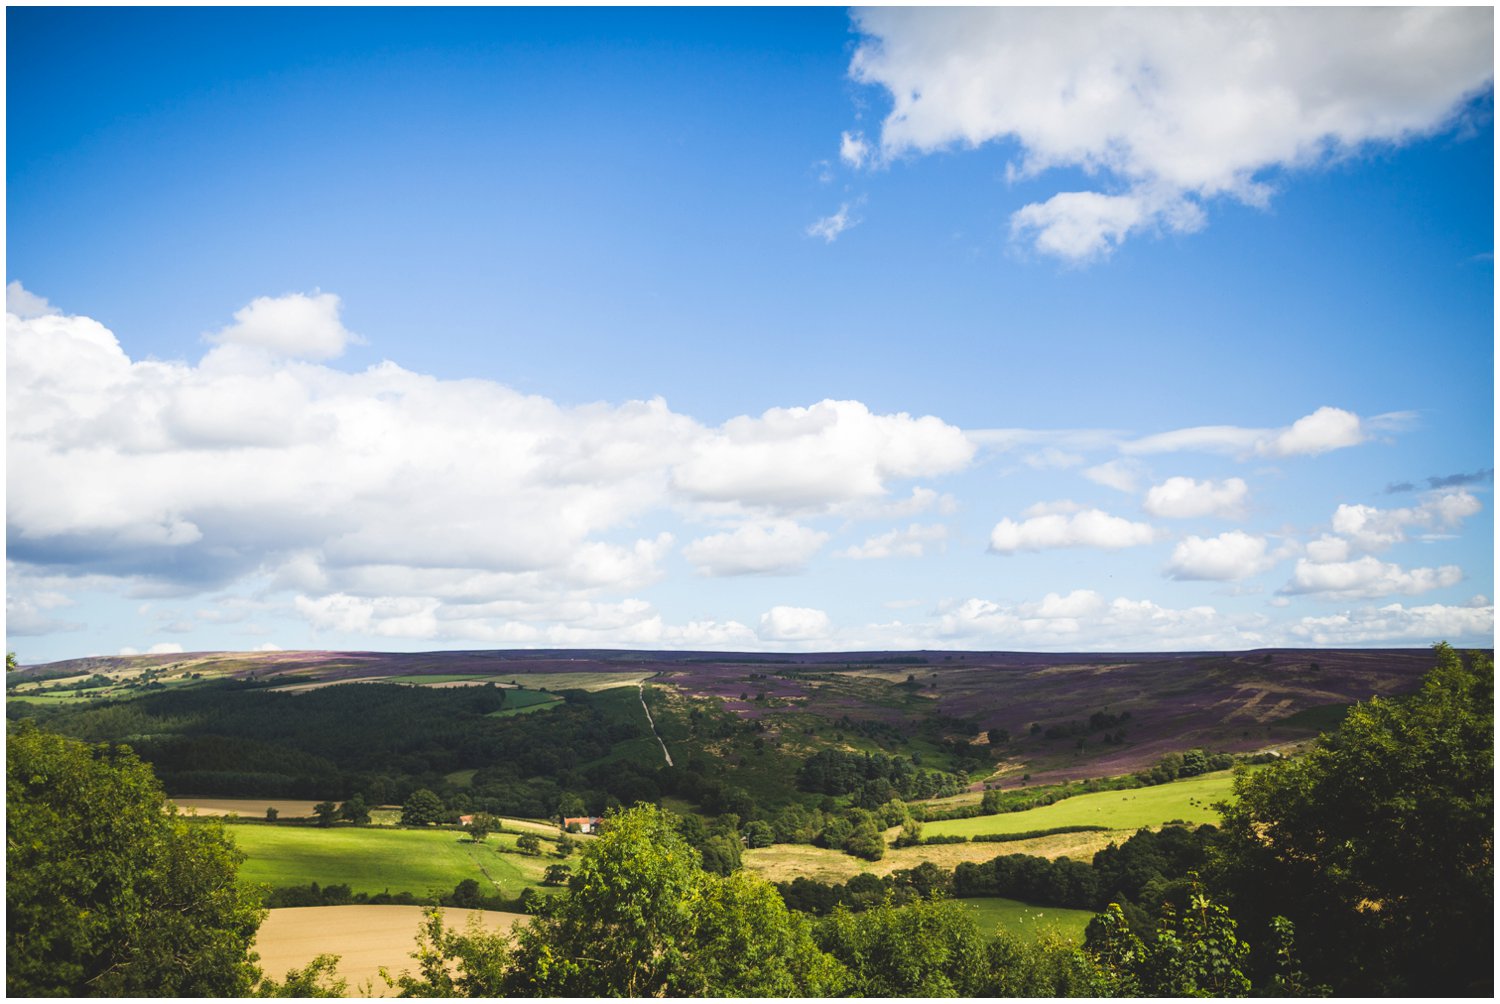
<point>1168,108</point>
<point>911,542</point>
<point>1368,577</point>
<point>1325,429</point>
<point>919,501</point>
<point>297,326</point>
<point>807,459</point>
<point>1473,624</point>
<point>1084,621</point>
<point>854,149</point>
<point>1089,528</point>
<point>1121,475</point>
<point>26,305</point>
<point>1063,507</point>
<point>780,547</point>
<point>1327,548</point>
<point>1373,529</point>
<point>164,648</point>
<point>1185,498</point>
<point>830,227</point>
<point>1229,557</point>
<point>793,624</point>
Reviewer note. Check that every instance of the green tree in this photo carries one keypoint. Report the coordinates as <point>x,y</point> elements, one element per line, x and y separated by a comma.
<point>758,833</point>
<point>927,948</point>
<point>640,917</point>
<point>355,810</point>
<point>556,875</point>
<point>1378,844</point>
<point>319,978</point>
<point>108,890</point>
<point>10,662</point>
<point>271,813</point>
<point>422,807</point>
<point>482,825</point>
<point>529,843</point>
<point>326,812</point>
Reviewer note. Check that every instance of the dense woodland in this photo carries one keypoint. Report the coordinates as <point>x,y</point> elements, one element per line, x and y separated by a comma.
<point>1364,867</point>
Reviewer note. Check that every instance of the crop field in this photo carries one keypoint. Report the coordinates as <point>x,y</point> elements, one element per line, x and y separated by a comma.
<point>1027,921</point>
<point>250,808</point>
<point>785,862</point>
<point>1189,801</point>
<point>374,860</point>
<point>363,937</point>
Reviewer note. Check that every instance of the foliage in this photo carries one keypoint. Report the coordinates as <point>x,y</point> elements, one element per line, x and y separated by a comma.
<point>319,978</point>
<point>326,812</point>
<point>1200,956</point>
<point>422,807</point>
<point>529,843</point>
<point>927,948</point>
<point>639,918</point>
<point>108,891</point>
<point>1379,844</point>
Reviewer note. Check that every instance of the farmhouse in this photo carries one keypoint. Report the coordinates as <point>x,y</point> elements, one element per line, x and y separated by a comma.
<point>585,824</point>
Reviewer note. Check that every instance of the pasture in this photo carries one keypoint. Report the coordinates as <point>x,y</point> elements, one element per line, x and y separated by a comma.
<point>363,937</point>
<point>1027,921</point>
<point>374,860</point>
<point>1189,801</point>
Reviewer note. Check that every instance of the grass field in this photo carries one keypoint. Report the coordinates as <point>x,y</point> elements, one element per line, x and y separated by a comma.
<point>1189,801</point>
<point>378,860</point>
<point>1027,921</point>
<point>523,702</point>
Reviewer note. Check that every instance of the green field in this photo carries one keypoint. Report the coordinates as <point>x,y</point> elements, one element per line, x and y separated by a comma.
<point>1188,801</point>
<point>522,702</point>
<point>379,860</point>
<point>1027,921</point>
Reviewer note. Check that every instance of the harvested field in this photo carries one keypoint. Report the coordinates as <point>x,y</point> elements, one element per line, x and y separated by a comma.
<point>785,862</point>
<point>250,808</point>
<point>364,937</point>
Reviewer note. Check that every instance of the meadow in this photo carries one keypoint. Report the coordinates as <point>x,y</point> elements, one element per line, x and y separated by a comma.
<point>1027,921</point>
<point>1189,801</point>
<point>374,860</point>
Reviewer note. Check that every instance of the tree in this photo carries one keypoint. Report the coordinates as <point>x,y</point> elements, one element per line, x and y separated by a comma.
<point>556,875</point>
<point>10,662</point>
<point>640,918</point>
<point>927,948</point>
<point>1378,844</point>
<point>529,843</point>
<point>326,812</point>
<point>355,810</point>
<point>271,813</point>
<point>108,890</point>
<point>482,825</point>
<point>422,807</point>
<point>319,978</point>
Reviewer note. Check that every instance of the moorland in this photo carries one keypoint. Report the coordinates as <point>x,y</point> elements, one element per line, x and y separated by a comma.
<point>1069,803</point>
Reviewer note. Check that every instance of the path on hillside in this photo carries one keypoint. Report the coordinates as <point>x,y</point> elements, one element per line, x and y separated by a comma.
<point>652,722</point>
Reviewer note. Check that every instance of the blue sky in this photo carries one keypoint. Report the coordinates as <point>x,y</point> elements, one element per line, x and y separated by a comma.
<point>768,329</point>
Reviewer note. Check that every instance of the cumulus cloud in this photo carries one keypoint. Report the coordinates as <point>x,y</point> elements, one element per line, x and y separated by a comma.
<point>793,624</point>
<point>1373,529</point>
<point>1083,620</point>
<point>1229,557</point>
<point>1326,429</point>
<point>1186,498</point>
<point>1168,107</point>
<point>911,542</point>
<point>298,326</point>
<point>25,305</point>
<point>1472,624</point>
<point>807,459</point>
<point>1368,577</point>
<point>1088,528</point>
<point>780,547</point>
<point>393,503</point>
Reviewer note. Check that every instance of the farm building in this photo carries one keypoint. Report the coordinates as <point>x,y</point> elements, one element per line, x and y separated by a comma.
<point>585,824</point>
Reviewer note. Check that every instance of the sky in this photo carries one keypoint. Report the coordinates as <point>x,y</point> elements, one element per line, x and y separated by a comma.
<point>757,330</point>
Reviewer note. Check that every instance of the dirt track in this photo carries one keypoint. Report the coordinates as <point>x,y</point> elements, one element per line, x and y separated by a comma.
<point>364,937</point>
